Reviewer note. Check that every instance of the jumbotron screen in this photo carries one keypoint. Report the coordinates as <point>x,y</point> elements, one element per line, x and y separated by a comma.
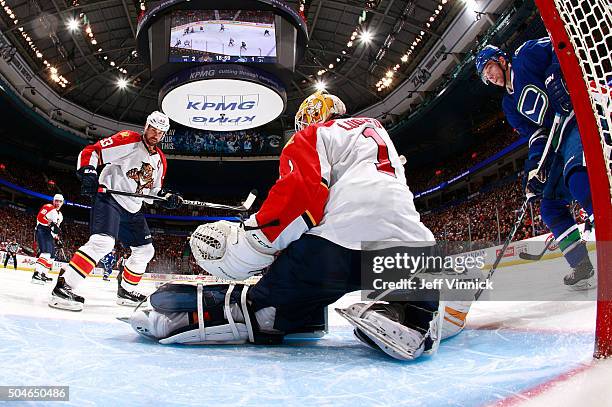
<point>222,36</point>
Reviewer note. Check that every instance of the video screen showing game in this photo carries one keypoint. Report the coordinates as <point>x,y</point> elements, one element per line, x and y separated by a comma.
<point>222,36</point>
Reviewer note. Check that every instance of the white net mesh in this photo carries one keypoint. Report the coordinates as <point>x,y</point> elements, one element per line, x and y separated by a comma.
<point>589,27</point>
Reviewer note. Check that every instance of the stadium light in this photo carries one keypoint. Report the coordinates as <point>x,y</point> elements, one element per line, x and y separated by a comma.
<point>366,37</point>
<point>320,86</point>
<point>122,83</point>
<point>73,24</point>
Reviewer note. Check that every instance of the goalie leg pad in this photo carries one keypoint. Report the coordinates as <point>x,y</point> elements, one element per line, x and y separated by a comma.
<point>202,314</point>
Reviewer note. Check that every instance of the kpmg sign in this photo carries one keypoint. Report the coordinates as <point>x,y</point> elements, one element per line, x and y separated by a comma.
<point>222,98</point>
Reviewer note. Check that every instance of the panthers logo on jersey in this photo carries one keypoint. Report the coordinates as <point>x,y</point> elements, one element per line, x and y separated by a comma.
<point>142,176</point>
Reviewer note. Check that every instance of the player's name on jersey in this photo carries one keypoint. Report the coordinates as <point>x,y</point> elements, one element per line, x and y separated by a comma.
<point>433,284</point>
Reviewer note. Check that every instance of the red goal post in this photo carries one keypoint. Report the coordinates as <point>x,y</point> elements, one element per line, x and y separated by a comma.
<point>581,32</point>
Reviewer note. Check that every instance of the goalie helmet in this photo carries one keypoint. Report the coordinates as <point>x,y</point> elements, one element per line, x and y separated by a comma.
<point>318,108</point>
<point>158,120</point>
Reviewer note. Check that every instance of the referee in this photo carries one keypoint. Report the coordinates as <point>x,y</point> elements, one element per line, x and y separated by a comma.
<point>11,251</point>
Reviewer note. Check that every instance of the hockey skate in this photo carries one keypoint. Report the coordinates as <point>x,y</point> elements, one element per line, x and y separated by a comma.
<point>105,278</point>
<point>46,278</point>
<point>582,277</point>
<point>38,278</point>
<point>62,297</point>
<point>387,327</point>
<point>129,298</point>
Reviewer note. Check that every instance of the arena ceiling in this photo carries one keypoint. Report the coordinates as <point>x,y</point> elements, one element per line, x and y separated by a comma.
<point>100,50</point>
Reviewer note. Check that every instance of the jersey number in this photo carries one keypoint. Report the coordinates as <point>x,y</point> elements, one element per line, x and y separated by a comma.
<point>383,163</point>
<point>105,142</point>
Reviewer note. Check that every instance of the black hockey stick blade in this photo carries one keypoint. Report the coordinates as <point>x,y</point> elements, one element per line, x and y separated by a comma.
<point>531,257</point>
<point>536,257</point>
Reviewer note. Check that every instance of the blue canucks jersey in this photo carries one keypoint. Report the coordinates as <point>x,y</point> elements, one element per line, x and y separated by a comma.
<point>108,261</point>
<point>527,108</point>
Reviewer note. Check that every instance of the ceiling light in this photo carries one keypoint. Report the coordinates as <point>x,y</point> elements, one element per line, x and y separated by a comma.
<point>404,58</point>
<point>320,85</point>
<point>73,24</point>
<point>122,83</point>
<point>366,37</point>
<point>331,66</point>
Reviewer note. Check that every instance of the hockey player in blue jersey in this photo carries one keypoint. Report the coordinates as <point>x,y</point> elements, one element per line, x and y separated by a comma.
<point>535,93</point>
<point>108,262</point>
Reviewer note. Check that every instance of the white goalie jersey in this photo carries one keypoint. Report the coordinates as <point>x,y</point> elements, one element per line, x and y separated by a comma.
<point>343,181</point>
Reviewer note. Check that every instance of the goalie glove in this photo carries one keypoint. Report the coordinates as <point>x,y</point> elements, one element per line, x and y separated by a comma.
<point>225,250</point>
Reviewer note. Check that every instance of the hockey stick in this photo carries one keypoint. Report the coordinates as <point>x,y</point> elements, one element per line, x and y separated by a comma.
<point>536,257</point>
<point>500,256</point>
<point>246,205</point>
<point>542,177</point>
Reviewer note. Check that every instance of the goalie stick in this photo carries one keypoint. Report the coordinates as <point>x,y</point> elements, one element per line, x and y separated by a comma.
<point>246,205</point>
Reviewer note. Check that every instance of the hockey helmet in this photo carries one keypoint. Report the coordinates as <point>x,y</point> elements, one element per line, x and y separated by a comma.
<point>58,197</point>
<point>488,53</point>
<point>318,108</point>
<point>158,120</point>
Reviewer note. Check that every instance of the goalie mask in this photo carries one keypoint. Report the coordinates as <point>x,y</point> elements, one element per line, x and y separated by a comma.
<point>318,108</point>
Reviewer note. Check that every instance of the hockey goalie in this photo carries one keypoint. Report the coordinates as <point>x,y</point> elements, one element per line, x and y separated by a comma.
<point>341,183</point>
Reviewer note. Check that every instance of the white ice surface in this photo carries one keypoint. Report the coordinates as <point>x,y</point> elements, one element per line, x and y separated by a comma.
<point>507,349</point>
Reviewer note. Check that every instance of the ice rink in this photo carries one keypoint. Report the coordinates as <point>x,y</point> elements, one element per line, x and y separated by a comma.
<point>536,353</point>
<point>213,40</point>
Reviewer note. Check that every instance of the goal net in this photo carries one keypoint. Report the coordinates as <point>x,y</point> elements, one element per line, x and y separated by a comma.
<point>581,32</point>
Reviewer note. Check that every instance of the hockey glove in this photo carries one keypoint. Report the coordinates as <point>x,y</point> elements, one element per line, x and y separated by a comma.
<point>89,180</point>
<point>55,230</point>
<point>558,95</point>
<point>173,200</point>
<point>533,182</point>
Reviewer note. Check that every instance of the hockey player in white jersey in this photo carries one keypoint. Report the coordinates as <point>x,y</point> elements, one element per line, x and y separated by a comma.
<point>132,163</point>
<point>341,183</point>
<point>48,221</point>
